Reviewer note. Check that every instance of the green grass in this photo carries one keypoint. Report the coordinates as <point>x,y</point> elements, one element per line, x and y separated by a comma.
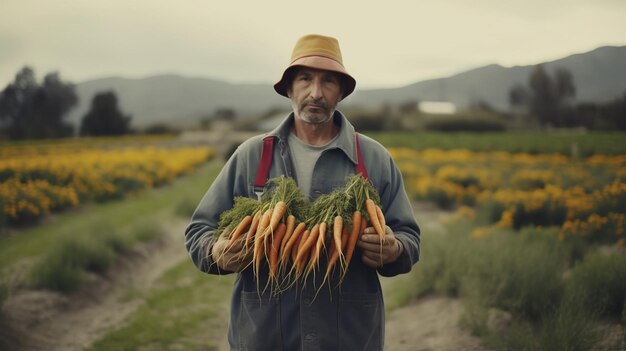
<point>598,283</point>
<point>184,312</point>
<point>398,291</point>
<point>586,144</point>
<point>524,274</point>
<point>116,216</point>
<point>63,268</point>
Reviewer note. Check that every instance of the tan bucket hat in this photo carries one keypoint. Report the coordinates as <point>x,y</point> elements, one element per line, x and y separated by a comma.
<point>316,51</point>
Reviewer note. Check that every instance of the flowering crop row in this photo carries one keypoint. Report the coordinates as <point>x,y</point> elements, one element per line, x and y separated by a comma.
<point>36,180</point>
<point>585,197</point>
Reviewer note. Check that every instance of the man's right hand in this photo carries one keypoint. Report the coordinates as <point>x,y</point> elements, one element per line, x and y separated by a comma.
<point>231,257</point>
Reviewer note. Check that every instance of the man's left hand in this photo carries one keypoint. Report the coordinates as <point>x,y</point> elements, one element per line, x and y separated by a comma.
<point>378,251</point>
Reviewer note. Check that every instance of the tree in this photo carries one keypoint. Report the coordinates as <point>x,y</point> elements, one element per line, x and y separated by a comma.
<point>543,96</point>
<point>104,117</point>
<point>518,97</point>
<point>547,98</point>
<point>565,87</point>
<point>615,112</point>
<point>32,111</point>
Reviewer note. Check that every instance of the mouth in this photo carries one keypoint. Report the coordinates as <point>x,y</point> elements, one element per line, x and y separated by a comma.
<point>314,107</point>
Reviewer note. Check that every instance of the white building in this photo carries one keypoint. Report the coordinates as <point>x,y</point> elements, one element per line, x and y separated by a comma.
<point>437,107</point>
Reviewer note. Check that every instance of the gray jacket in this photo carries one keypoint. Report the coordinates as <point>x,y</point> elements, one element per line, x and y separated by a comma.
<point>350,317</point>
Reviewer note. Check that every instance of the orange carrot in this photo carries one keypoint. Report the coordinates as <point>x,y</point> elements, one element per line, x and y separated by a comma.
<point>333,254</point>
<point>245,222</point>
<point>259,241</point>
<point>291,225</point>
<point>277,238</point>
<point>264,222</point>
<point>344,241</point>
<point>322,234</point>
<point>370,208</point>
<point>381,217</point>
<point>252,230</point>
<point>293,239</point>
<point>296,246</point>
<point>344,237</point>
<point>277,215</point>
<point>337,229</point>
<point>354,235</point>
<point>316,251</point>
<point>306,245</point>
<point>363,226</point>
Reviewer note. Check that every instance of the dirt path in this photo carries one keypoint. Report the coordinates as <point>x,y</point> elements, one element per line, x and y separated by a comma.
<point>51,321</point>
<point>430,323</point>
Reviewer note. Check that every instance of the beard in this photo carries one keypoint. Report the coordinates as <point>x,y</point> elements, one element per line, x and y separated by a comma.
<point>315,112</point>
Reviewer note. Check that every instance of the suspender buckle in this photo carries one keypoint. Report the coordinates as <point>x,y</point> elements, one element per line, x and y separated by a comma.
<point>259,193</point>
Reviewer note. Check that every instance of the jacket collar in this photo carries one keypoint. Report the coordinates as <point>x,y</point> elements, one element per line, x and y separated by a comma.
<point>345,141</point>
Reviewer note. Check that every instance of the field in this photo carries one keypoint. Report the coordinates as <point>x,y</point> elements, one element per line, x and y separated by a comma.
<point>565,143</point>
<point>536,248</point>
<point>534,240</point>
<point>39,178</point>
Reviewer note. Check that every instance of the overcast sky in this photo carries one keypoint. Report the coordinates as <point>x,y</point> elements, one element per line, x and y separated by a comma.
<point>389,44</point>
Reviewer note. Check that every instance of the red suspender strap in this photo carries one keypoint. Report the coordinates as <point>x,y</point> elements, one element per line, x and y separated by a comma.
<point>266,161</point>
<point>360,166</point>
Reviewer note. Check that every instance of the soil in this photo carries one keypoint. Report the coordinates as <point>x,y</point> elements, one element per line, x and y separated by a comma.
<point>429,324</point>
<point>46,320</point>
<point>51,321</point>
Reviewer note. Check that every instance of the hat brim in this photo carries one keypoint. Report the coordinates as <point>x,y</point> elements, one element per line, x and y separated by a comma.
<point>317,62</point>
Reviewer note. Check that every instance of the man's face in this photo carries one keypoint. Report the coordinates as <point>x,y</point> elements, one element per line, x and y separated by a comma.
<point>314,95</point>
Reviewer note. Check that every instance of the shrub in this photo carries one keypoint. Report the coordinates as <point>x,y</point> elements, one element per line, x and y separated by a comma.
<point>147,231</point>
<point>569,327</point>
<point>436,248</point>
<point>600,282</point>
<point>161,129</point>
<point>4,294</point>
<point>64,267</point>
<point>547,215</point>
<point>515,272</point>
<point>186,207</point>
<point>368,121</point>
<point>118,242</point>
<point>519,272</point>
<point>465,123</point>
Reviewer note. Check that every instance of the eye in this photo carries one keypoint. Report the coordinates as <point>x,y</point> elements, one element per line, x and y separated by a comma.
<point>304,77</point>
<point>331,79</point>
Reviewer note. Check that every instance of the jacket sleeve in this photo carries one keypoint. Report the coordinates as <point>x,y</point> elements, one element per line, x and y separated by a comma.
<point>199,238</point>
<point>401,219</point>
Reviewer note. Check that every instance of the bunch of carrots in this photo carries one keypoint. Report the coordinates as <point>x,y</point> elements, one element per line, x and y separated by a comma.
<point>292,235</point>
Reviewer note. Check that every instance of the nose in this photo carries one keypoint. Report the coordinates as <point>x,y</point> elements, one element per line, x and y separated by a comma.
<point>316,89</point>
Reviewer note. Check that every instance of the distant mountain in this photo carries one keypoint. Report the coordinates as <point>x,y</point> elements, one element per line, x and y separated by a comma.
<point>176,99</point>
<point>599,75</point>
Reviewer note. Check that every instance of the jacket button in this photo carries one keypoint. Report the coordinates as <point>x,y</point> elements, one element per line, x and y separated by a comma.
<point>309,337</point>
<point>307,300</point>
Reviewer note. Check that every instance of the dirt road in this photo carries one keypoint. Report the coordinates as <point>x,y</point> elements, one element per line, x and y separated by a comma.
<point>50,321</point>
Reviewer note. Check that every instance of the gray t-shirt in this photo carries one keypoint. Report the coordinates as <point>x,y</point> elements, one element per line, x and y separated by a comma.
<point>304,157</point>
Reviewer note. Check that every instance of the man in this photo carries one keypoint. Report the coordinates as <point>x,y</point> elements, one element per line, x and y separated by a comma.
<point>317,146</point>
